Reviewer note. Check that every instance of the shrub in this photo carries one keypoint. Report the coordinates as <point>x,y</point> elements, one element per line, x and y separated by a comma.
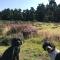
<point>26,29</point>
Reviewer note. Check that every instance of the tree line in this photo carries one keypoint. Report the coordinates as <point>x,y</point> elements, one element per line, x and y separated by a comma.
<point>43,13</point>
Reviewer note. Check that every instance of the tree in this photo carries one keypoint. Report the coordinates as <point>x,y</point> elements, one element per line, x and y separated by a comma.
<point>52,9</point>
<point>19,14</point>
<point>32,14</point>
<point>5,14</point>
<point>26,15</point>
<point>11,14</point>
<point>49,13</point>
<point>0,15</point>
<point>15,14</point>
<point>40,12</point>
<point>57,14</point>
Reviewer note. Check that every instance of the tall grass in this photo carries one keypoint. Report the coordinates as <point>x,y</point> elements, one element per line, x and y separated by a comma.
<point>31,48</point>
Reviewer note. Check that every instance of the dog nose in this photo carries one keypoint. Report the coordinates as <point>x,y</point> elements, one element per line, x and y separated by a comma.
<point>49,47</point>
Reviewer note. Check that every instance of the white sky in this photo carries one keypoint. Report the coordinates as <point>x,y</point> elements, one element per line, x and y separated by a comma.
<point>23,4</point>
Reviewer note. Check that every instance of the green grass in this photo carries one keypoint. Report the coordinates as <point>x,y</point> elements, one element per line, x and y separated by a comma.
<point>32,49</point>
<point>2,49</point>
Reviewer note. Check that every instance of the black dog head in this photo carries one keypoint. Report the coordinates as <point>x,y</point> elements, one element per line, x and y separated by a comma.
<point>48,46</point>
<point>16,42</point>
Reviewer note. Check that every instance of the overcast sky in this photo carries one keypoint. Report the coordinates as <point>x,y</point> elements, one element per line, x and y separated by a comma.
<point>23,4</point>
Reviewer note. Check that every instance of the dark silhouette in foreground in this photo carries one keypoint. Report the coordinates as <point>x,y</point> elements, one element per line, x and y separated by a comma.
<point>52,51</point>
<point>12,53</point>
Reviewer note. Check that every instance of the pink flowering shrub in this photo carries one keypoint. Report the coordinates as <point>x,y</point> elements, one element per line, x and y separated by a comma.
<point>26,29</point>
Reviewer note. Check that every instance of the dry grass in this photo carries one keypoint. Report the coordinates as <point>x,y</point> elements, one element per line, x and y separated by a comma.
<point>51,31</point>
<point>14,29</point>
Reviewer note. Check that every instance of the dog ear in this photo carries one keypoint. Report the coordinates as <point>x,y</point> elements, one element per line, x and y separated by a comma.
<point>16,41</point>
<point>44,46</point>
<point>20,42</point>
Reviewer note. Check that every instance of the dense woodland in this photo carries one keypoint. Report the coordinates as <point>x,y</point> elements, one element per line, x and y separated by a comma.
<point>43,13</point>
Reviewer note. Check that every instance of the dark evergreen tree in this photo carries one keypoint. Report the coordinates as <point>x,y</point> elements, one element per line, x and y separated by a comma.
<point>5,14</point>
<point>11,14</point>
<point>26,15</point>
<point>15,14</point>
<point>52,9</point>
<point>32,14</point>
<point>49,13</point>
<point>40,12</point>
<point>0,15</point>
<point>57,14</point>
<point>19,15</point>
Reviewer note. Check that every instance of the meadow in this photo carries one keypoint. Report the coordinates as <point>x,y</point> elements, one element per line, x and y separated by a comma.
<point>31,48</point>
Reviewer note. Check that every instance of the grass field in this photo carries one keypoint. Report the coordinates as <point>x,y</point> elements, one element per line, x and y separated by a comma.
<point>31,48</point>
